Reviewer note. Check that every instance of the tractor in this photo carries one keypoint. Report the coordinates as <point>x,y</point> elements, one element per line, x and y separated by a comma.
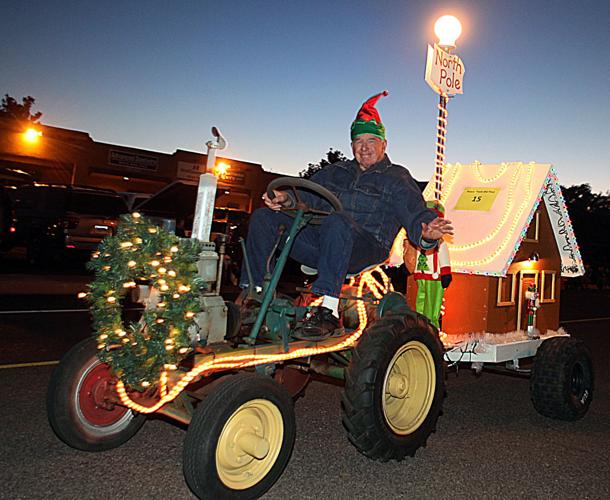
<point>235,389</point>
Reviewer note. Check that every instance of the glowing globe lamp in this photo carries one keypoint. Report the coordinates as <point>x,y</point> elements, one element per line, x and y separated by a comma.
<point>447,29</point>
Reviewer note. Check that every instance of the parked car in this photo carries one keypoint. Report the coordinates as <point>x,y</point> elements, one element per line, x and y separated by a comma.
<point>10,180</point>
<point>55,220</point>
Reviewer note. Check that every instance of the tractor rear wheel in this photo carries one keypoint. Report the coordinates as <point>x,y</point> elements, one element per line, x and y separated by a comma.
<point>561,384</point>
<point>77,407</point>
<point>394,387</point>
<point>240,438</point>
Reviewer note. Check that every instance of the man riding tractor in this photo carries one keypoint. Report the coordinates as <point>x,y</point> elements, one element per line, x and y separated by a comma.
<point>378,198</point>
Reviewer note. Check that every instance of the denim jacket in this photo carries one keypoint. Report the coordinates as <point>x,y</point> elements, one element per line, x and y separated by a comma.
<point>381,199</point>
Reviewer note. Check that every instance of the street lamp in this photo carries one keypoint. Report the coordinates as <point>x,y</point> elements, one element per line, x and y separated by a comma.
<point>32,135</point>
<point>444,73</point>
<point>221,169</point>
<point>447,29</point>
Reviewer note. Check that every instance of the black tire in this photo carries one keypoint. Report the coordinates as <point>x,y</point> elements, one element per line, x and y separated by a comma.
<point>386,426</point>
<point>235,405</point>
<point>72,410</point>
<point>561,383</point>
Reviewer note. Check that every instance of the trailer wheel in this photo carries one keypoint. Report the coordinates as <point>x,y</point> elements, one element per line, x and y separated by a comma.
<point>394,387</point>
<point>76,408</point>
<point>240,438</point>
<point>561,384</point>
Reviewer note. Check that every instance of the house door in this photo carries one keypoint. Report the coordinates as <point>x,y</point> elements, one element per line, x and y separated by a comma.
<point>526,279</point>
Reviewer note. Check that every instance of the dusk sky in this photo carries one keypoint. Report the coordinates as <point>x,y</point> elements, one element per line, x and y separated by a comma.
<point>283,79</point>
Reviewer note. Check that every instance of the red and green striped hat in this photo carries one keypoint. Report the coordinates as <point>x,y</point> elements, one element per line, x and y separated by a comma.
<point>367,120</point>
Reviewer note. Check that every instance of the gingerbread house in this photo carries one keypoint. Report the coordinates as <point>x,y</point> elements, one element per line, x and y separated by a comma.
<point>512,232</point>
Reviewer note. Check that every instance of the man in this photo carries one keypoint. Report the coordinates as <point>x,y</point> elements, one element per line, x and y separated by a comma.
<point>378,199</point>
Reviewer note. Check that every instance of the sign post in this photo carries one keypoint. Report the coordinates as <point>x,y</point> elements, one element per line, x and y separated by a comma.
<point>445,75</point>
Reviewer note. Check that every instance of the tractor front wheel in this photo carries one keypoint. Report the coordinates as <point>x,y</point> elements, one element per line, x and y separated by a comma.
<point>394,387</point>
<point>240,438</point>
<point>77,407</point>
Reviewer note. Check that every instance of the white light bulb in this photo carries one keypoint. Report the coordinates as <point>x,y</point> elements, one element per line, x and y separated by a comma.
<point>447,29</point>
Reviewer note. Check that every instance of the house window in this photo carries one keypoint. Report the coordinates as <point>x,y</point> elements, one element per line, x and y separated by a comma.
<point>506,291</point>
<point>547,288</point>
<point>532,230</point>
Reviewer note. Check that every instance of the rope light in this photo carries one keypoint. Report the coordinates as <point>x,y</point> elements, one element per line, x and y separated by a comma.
<point>507,234</point>
<point>441,130</point>
<point>487,180</point>
<point>252,358</point>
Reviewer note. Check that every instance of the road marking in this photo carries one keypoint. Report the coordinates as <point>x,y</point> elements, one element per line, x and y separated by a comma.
<point>28,365</point>
<point>584,320</point>
<point>44,311</point>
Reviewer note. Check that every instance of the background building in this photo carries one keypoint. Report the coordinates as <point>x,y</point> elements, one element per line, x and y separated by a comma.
<point>60,156</point>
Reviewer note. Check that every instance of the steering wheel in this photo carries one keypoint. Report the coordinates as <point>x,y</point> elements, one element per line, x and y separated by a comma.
<point>296,182</point>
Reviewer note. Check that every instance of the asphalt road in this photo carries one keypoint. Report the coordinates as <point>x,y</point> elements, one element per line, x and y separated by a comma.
<point>490,442</point>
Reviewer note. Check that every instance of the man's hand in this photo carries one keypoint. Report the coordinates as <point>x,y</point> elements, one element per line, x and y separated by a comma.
<point>436,229</point>
<point>279,201</point>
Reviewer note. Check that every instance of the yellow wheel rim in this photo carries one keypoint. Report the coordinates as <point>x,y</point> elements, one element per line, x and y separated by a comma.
<point>249,444</point>
<point>408,388</point>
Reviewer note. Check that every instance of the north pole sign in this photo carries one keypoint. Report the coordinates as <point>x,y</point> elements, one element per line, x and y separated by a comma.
<point>444,71</point>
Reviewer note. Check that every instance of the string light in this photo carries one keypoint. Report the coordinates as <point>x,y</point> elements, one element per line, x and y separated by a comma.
<point>441,130</point>
<point>251,358</point>
<point>508,234</point>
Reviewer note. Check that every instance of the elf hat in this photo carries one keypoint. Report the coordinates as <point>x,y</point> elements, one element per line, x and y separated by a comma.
<point>367,120</point>
<point>437,206</point>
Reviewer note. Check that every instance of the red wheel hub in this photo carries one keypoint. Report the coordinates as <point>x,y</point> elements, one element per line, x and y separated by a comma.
<point>95,405</point>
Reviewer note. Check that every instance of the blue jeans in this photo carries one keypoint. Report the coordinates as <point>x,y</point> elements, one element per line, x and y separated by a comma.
<point>335,248</point>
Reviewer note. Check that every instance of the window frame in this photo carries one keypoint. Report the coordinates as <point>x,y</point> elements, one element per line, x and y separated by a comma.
<point>499,297</point>
<point>553,298</point>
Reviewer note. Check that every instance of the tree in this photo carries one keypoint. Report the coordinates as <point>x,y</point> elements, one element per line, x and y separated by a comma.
<point>590,214</point>
<point>332,156</point>
<point>12,109</point>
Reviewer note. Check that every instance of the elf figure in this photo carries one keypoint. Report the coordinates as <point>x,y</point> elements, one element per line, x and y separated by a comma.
<point>433,275</point>
<point>533,303</point>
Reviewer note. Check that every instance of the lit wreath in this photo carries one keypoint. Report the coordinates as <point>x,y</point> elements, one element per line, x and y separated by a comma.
<point>140,252</point>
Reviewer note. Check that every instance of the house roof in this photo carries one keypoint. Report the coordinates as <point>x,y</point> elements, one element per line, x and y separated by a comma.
<point>491,207</point>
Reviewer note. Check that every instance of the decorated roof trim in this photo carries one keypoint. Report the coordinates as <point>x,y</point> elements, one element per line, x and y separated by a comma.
<point>571,260</point>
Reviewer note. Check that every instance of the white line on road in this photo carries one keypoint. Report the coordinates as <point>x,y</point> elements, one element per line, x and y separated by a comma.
<point>584,320</point>
<point>28,365</point>
<point>44,311</point>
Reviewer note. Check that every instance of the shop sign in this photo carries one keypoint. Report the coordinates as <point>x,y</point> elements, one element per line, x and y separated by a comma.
<point>229,177</point>
<point>133,160</point>
<point>189,171</point>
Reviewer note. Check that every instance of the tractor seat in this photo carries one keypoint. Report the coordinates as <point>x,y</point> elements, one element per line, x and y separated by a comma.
<point>311,271</point>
